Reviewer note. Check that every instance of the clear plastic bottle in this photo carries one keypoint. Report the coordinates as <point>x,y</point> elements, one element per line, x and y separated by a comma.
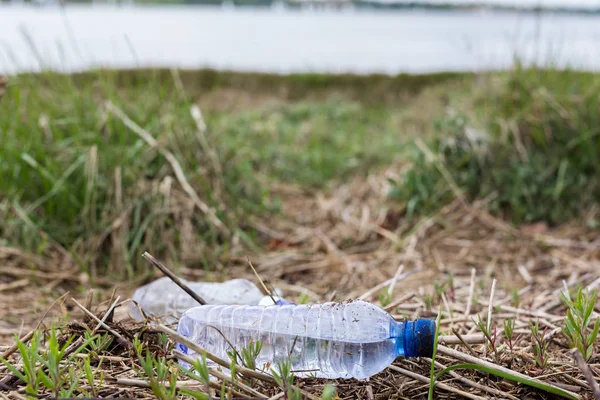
<point>354,339</point>
<point>164,298</point>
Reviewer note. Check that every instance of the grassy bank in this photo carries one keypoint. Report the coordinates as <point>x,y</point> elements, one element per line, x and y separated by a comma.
<point>79,174</point>
<point>74,176</point>
<point>529,146</point>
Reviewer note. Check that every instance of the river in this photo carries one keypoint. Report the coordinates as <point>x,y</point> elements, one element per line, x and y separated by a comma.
<point>80,37</point>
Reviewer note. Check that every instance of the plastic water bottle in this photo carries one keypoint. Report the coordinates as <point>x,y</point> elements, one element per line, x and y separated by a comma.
<point>354,339</point>
<point>163,297</point>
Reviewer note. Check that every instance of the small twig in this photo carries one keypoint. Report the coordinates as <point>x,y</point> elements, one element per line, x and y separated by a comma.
<point>476,338</point>
<point>332,296</point>
<point>106,314</point>
<point>462,340</point>
<point>525,274</point>
<point>173,277</point>
<point>100,322</point>
<point>448,310</point>
<point>267,291</point>
<point>395,279</point>
<point>491,306</point>
<point>399,301</point>
<point>587,373</point>
<point>89,299</point>
<point>471,293</point>
<point>380,286</point>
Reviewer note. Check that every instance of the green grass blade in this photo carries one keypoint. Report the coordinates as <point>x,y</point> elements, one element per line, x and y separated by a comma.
<point>45,380</point>
<point>68,393</point>
<point>14,370</point>
<point>435,343</point>
<point>194,394</point>
<point>530,382</point>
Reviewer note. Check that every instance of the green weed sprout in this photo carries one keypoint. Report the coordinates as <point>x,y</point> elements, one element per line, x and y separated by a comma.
<point>157,372</point>
<point>509,327</point>
<point>285,379</point>
<point>490,335</point>
<point>329,392</point>
<point>578,321</point>
<point>385,297</point>
<point>540,345</point>
<point>250,354</point>
<point>201,375</point>
<point>43,369</point>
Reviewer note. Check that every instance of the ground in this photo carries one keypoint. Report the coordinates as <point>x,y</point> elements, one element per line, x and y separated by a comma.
<point>336,237</point>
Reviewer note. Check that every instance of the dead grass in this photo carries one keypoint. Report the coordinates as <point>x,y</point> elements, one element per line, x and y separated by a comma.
<point>343,245</point>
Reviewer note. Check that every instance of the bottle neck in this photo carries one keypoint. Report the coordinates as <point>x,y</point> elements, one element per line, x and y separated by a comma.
<point>413,338</point>
<point>397,333</point>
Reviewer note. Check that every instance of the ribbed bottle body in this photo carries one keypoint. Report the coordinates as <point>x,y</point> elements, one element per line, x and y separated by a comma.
<point>330,340</point>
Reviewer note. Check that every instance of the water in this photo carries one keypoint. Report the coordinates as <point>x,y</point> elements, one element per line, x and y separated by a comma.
<point>283,41</point>
<point>331,340</point>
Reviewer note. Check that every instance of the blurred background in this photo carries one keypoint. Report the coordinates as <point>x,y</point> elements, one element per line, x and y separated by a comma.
<point>362,36</point>
<point>318,136</point>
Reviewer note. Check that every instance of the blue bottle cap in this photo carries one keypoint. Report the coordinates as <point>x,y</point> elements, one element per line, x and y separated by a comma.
<point>418,338</point>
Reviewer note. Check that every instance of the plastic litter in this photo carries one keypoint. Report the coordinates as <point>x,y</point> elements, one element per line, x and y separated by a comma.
<point>163,297</point>
<point>354,339</point>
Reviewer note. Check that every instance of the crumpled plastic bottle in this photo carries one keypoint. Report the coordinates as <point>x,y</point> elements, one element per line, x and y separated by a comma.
<point>164,298</point>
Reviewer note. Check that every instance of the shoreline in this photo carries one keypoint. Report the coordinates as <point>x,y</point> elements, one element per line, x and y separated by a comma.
<point>330,5</point>
<point>353,42</point>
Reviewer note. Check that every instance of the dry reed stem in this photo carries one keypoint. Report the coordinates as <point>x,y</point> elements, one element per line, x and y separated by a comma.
<point>149,139</point>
